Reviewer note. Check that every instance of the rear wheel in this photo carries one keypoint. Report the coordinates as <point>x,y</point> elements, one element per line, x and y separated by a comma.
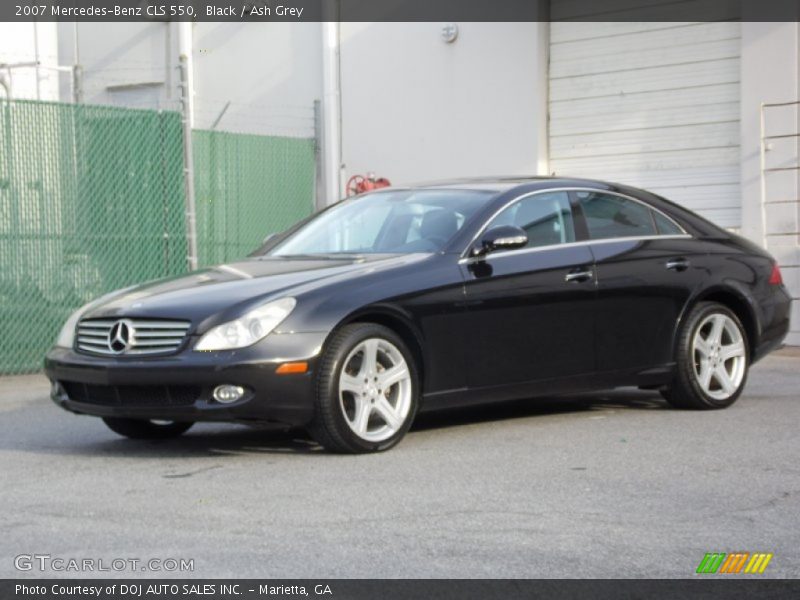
<point>144,429</point>
<point>367,390</point>
<point>712,359</point>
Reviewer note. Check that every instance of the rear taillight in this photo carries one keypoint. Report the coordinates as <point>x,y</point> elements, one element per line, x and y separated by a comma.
<point>775,277</point>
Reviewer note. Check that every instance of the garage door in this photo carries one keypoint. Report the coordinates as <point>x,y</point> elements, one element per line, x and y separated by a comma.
<point>655,105</point>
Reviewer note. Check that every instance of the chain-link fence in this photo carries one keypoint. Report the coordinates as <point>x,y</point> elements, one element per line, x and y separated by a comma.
<point>92,199</point>
<point>247,187</point>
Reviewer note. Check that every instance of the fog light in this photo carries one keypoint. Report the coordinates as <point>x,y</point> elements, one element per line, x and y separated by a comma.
<point>225,394</point>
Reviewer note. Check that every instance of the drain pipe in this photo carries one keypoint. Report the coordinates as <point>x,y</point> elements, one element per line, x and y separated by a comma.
<point>331,113</point>
<point>36,71</point>
<point>77,71</point>
<point>185,53</point>
<point>187,111</point>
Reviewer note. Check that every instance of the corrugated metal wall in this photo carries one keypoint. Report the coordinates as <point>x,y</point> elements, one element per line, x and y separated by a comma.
<point>655,105</point>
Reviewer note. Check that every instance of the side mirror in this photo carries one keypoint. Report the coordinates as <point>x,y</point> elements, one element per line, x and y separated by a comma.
<point>505,237</point>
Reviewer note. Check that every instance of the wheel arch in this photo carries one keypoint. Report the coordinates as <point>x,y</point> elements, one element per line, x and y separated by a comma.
<point>396,320</point>
<point>736,301</point>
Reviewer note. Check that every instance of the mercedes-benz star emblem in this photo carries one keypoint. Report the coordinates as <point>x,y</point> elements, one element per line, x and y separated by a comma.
<point>119,336</point>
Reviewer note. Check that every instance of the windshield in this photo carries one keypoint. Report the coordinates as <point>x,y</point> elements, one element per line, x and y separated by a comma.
<point>396,222</point>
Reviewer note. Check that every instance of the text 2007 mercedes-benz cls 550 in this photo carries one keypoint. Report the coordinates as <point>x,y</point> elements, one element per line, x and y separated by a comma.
<point>432,296</point>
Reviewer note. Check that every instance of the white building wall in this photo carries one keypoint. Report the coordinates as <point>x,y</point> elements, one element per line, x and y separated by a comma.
<point>269,72</point>
<point>123,64</point>
<point>416,108</point>
<point>770,74</point>
<point>28,43</point>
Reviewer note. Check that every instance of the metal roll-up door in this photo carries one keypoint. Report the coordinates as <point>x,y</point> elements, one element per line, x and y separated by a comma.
<point>655,105</point>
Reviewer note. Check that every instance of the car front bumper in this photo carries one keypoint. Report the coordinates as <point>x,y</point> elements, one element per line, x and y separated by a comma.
<point>179,387</point>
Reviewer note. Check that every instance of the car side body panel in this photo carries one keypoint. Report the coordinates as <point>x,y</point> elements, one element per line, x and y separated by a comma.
<point>643,287</point>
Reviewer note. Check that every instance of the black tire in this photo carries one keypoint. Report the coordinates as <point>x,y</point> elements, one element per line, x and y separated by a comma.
<point>139,429</point>
<point>329,427</point>
<point>685,391</point>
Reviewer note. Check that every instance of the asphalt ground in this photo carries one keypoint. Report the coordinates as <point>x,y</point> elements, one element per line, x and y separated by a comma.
<point>614,484</point>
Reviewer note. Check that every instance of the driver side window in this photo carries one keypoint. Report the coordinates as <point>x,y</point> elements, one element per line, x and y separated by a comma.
<point>546,218</point>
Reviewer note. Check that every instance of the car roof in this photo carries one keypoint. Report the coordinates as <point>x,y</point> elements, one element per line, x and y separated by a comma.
<point>503,187</point>
<point>503,184</point>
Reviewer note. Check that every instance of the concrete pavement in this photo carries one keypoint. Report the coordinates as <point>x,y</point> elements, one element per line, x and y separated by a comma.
<point>604,485</point>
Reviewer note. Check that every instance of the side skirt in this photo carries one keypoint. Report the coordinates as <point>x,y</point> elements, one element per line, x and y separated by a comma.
<point>653,378</point>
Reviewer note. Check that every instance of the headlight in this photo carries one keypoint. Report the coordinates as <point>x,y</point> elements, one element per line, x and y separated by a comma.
<point>247,330</point>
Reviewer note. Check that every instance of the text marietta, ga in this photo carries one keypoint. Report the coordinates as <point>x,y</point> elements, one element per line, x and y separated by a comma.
<point>139,590</point>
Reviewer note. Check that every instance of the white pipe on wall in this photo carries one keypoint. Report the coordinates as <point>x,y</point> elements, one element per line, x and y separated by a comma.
<point>186,65</point>
<point>185,48</point>
<point>331,113</point>
<point>77,72</point>
<point>37,74</point>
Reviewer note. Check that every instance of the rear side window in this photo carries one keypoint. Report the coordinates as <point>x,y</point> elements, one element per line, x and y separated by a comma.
<point>611,216</point>
<point>666,226</point>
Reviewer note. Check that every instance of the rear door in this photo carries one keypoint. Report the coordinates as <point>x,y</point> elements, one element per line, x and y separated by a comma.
<point>647,268</point>
<point>530,311</point>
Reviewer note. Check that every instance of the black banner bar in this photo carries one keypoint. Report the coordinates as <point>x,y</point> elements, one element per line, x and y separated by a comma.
<point>399,10</point>
<point>729,588</point>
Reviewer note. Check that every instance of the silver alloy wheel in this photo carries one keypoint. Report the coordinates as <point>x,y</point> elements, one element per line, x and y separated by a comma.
<point>719,356</point>
<point>375,390</point>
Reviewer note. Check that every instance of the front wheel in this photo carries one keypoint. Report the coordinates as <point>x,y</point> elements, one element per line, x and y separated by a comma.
<point>367,390</point>
<point>712,359</point>
<point>142,429</point>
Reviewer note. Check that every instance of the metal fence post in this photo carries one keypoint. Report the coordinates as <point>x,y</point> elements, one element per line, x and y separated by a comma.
<point>319,178</point>
<point>188,165</point>
<point>77,84</point>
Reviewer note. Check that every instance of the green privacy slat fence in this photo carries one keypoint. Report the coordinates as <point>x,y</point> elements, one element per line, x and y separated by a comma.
<point>248,186</point>
<point>92,199</point>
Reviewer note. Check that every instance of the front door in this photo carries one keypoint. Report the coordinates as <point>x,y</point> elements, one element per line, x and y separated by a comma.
<point>530,310</point>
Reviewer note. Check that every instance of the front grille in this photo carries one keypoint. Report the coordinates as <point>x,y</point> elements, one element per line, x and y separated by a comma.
<point>134,396</point>
<point>144,336</point>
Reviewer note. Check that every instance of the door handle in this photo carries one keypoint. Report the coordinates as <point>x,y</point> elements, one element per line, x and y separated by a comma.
<point>579,276</point>
<point>677,264</point>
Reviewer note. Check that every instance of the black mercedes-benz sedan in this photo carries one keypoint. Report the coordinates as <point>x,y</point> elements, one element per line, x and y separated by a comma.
<point>426,297</point>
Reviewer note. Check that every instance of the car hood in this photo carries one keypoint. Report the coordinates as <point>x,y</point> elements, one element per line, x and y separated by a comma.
<point>207,292</point>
